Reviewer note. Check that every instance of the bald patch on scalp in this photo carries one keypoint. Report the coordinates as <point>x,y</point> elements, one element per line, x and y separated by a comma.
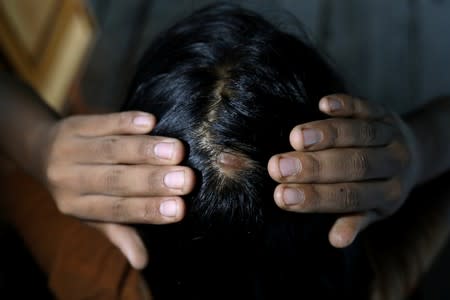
<point>230,163</point>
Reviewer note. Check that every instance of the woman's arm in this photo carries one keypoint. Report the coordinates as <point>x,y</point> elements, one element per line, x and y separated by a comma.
<point>24,120</point>
<point>431,127</point>
<point>98,167</point>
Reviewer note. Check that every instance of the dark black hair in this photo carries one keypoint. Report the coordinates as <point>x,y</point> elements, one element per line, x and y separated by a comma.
<point>231,86</point>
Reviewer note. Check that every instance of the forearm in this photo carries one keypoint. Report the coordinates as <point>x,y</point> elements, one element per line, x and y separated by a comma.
<point>402,248</point>
<point>24,117</point>
<point>431,127</point>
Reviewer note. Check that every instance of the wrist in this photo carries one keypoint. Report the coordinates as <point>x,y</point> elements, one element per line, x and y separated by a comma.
<point>430,127</point>
<point>40,144</point>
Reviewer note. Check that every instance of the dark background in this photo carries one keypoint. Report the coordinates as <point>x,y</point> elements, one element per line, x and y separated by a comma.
<point>392,52</point>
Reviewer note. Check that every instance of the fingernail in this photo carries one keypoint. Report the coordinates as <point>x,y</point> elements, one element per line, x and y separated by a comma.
<point>311,137</point>
<point>142,121</point>
<point>289,166</point>
<point>169,208</point>
<point>174,180</point>
<point>164,150</point>
<point>293,196</point>
<point>334,104</point>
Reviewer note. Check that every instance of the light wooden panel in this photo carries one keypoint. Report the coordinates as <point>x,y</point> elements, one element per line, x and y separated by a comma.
<point>46,42</point>
<point>29,21</point>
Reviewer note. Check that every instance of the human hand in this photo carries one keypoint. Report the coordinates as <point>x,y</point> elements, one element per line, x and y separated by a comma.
<point>103,168</point>
<point>127,240</point>
<point>362,163</point>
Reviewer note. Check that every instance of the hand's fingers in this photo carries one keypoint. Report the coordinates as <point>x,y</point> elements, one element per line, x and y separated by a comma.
<point>131,180</point>
<point>345,229</point>
<point>127,240</point>
<point>342,105</point>
<point>335,165</point>
<point>336,198</point>
<point>130,122</point>
<point>137,149</point>
<point>156,210</point>
<point>332,133</point>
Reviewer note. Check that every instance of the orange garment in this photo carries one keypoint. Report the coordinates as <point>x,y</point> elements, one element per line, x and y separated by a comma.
<point>79,261</point>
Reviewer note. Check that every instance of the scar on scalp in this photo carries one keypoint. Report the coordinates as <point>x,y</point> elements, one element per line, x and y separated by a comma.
<point>227,162</point>
<point>230,163</point>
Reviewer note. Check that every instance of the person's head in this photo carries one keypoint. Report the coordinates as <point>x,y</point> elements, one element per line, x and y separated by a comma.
<point>231,86</point>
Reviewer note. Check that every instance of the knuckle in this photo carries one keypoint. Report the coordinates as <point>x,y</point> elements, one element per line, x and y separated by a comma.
<point>348,198</point>
<point>112,180</point>
<point>351,200</point>
<point>106,148</point>
<point>314,166</point>
<point>359,164</point>
<point>368,133</point>
<point>119,211</point>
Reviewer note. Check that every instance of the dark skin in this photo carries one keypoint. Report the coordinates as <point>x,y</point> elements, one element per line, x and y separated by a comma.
<point>364,163</point>
<point>90,168</point>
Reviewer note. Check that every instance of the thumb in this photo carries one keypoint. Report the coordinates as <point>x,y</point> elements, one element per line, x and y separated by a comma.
<point>345,229</point>
<point>127,240</point>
